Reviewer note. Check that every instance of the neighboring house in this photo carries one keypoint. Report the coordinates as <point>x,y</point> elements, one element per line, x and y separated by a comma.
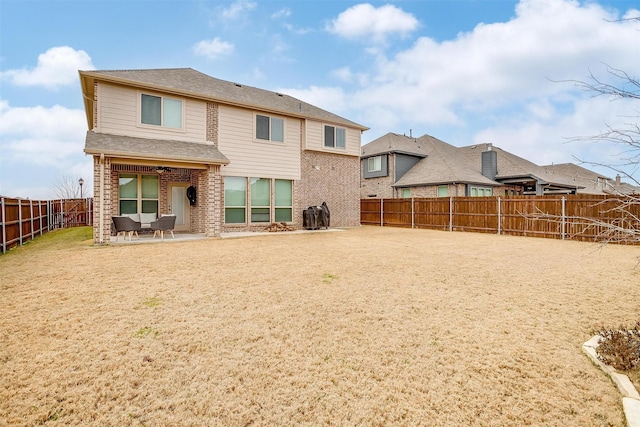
<point>593,183</point>
<point>518,175</point>
<point>395,166</point>
<point>251,156</point>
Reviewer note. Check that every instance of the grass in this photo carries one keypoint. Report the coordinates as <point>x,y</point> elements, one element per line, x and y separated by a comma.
<point>151,302</point>
<point>408,327</point>
<point>58,239</point>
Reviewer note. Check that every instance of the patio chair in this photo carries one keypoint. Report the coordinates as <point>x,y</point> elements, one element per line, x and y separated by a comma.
<point>162,224</point>
<point>124,225</point>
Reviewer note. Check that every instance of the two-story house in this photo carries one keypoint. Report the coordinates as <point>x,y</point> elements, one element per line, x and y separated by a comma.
<point>394,166</point>
<point>219,155</point>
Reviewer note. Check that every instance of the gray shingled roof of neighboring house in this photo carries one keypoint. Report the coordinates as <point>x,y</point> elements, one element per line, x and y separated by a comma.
<point>444,164</point>
<point>441,162</point>
<point>156,149</point>
<point>593,182</point>
<point>512,166</point>
<point>394,143</point>
<point>189,82</point>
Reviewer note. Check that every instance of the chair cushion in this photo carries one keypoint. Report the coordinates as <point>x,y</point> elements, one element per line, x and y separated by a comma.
<point>135,217</point>
<point>147,218</point>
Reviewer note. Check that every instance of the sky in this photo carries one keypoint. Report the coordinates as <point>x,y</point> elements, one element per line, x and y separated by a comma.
<point>463,71</point>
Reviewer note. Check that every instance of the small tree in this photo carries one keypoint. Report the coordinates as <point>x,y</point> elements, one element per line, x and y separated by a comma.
<point>68,187</point>
<point>624,86</point>
<point>626,227</point>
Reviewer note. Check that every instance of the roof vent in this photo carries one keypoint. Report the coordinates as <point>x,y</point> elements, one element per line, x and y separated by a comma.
<point>238,84</point>
<point>279,94</point>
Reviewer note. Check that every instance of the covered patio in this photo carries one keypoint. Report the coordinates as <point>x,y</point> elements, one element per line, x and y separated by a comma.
<point>147,176</point>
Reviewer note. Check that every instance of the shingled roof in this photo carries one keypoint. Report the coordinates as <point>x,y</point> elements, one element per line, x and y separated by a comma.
<point>157,149</point>
<point>593,182</point>
<point>192,83</point>
<point>511,166</point>
<point>441,162</point>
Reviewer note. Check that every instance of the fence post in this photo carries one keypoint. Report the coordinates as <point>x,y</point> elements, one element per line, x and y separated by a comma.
<point>20,221</point>
<point>40,216</point>
<point>412,214</point>
<point>563,217</point>
<point>499,216</point>
<point>450,213</point>
<point>4,229</point>
<point>31,214</point>
<point>381,212</point>
<point>49,215</point>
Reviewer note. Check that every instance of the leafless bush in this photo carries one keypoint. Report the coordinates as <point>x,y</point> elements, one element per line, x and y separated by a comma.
<point>620,347</point>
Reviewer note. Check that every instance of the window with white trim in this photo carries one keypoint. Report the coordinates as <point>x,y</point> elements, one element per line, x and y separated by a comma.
<point>406,193</point>
<point>334,137</point>
<point>443,190</point>
<point>480,191</point>
<point>374,164</point>
<point>160,111</point>
<point>235,200</point>
<point>267,200</point>
<point>137,193</point>
<point>260,199</point>
<point>284,200</point>
<point>269,128</point>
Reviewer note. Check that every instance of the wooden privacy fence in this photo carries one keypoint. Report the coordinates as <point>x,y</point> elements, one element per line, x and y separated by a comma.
<point>576,217</point>
<point>22,219</point>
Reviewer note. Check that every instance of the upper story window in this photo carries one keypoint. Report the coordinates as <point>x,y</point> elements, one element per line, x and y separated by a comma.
<point>161,111</point>
<point>334,137</point>
<point>374,164</point>
<point>269,128</point>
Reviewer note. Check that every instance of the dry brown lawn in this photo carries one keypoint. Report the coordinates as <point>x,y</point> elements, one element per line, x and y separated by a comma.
<point>363,327</point>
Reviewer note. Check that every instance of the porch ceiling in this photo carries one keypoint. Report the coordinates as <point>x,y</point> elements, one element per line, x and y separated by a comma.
<point>152,149</point>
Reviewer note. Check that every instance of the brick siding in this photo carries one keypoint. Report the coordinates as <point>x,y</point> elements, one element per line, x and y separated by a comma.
<point>331,178</point>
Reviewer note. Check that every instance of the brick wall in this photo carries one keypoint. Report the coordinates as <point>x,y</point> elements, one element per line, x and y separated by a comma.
<point>212,123</point>
<point>330,178</point>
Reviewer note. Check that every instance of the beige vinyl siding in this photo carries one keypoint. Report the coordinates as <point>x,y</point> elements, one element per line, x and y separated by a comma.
<point>251,158</point>
<point>315,139</point>
<point>118,115</point>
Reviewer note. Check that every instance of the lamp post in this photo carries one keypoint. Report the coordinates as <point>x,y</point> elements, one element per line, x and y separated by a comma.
<point>81,181</point>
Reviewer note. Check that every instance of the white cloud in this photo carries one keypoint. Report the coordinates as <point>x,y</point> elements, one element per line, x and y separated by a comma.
<point>494,83</point>
<point>282,13</point>
<point>301,31</point>
<point>332,99</point>
<point>364,21</point>
<point>237,10</point>
<point>344,73</point>
<point>41,136</point>
<point>56,67</point>
<point>550,137</point>
<point>213,49</point>
<point>43,141</point>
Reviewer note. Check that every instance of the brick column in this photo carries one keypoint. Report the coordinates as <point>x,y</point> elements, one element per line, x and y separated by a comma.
<point>213,220</point>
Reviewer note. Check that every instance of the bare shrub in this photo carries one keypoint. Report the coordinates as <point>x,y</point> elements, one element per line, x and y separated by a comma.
<point>620,347</point>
